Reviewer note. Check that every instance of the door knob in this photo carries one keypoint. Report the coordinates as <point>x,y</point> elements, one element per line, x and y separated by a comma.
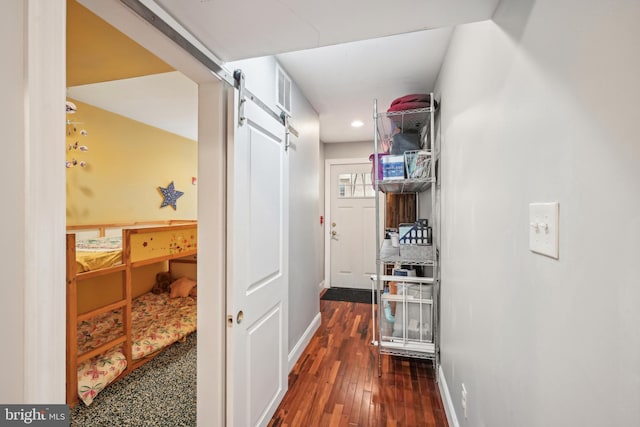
<point>333,233</point>
<point>333,224</point>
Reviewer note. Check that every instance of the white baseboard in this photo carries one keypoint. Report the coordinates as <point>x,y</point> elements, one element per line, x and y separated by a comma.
<point>304,341</point>
<point>446,396</point>
<point>321,286</point>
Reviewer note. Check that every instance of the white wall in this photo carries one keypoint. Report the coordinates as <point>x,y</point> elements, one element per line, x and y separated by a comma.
<point>348,150</point>
<point>305,249</point>
<point>12,165</point>
<point>32,299</point>
<point>305,256</point>
<point>540,105</point>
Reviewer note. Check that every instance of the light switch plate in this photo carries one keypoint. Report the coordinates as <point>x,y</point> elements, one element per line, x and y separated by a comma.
<point>544,221</point>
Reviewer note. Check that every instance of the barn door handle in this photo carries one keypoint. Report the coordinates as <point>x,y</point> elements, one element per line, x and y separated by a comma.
<point>239,318</point>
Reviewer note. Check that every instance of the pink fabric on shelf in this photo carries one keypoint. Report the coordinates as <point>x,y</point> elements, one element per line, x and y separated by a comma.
<point>415,97</point>
<point>408,106</point>
<point>411,102</point>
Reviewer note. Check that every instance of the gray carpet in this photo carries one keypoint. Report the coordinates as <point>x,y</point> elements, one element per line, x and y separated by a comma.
<point>159,393</point>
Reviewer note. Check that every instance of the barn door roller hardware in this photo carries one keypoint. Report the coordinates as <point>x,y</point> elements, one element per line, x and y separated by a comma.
<point>208,60</point>
<point>244,94</point>
<point>239,76</point>
<point>287,130</point>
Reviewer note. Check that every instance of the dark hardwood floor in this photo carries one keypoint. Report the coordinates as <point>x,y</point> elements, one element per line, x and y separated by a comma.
<point>336,383</point>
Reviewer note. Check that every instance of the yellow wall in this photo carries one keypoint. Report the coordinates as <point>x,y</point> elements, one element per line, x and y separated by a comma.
<point>103,290</point>
<point>126,163</point>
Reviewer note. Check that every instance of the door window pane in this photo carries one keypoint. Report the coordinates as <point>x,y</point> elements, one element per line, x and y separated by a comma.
<point>355,185</point>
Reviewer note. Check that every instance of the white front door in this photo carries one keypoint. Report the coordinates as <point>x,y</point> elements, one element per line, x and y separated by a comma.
<point>352,226</point>
<point>257,282</point>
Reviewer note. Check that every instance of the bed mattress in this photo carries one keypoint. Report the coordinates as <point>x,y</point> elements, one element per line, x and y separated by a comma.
<point>101,252</point>
<point>95,374</point>
<point>157,321</point>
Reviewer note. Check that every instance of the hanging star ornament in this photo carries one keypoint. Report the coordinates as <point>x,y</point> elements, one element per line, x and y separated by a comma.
<point>170,195</point>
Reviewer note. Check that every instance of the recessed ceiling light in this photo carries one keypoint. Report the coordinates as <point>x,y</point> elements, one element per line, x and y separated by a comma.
<point>357,123</point>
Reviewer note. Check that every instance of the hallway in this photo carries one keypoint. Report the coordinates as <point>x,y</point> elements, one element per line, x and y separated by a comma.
<point>336,383</point>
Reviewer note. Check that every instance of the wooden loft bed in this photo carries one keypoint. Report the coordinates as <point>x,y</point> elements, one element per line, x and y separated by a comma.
<point>100,230</point>
<point>143,245</point>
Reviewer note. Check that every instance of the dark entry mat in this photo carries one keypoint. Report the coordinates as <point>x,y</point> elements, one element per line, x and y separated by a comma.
<point>348,295</point>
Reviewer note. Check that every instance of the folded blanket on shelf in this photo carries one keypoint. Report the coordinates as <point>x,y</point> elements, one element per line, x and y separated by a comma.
<point>411,102</point>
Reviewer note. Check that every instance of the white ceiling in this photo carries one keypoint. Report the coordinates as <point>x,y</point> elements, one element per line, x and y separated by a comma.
<point>167,101</point>
<point>341,81</point>
<point>250,28</point>
<point>341,54</point>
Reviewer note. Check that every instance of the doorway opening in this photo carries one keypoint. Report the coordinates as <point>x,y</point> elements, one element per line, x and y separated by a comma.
<point>350,238</point>
<point>180,175</point>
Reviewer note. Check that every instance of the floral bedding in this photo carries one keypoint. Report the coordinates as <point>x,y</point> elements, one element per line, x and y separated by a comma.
<point>157,321</point>
<point>101,252</point>
<point>95,374</point>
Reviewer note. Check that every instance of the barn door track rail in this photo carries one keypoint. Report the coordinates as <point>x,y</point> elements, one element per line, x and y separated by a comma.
<point>215,65</point>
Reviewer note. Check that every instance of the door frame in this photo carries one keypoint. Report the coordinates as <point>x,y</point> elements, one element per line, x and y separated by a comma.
<point>327,210</point>
<point>41,310</point>
<point>211,400</point>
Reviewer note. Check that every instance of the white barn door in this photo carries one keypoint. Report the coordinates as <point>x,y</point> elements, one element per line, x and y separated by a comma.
<point>257,282</point>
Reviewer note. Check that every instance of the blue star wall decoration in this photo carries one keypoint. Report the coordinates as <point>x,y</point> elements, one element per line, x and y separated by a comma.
<point>170,195</point>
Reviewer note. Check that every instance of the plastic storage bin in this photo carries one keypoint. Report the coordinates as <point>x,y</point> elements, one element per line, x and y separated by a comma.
<point>392,167</point>
<point>418,323</point>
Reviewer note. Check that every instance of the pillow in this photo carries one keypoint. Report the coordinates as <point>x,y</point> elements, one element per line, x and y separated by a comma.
<point>194,292</point>
<point>181,287</point>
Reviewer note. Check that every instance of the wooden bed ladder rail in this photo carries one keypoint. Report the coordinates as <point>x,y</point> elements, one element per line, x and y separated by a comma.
<point>72,325</point>
<point>99,350</point>
<point>73,359</point>
<point>101,310</point>
<point>126,310</point>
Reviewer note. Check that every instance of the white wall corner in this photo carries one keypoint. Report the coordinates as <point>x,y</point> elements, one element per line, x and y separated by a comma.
<point>452,418</point>
<point>304,341</point>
